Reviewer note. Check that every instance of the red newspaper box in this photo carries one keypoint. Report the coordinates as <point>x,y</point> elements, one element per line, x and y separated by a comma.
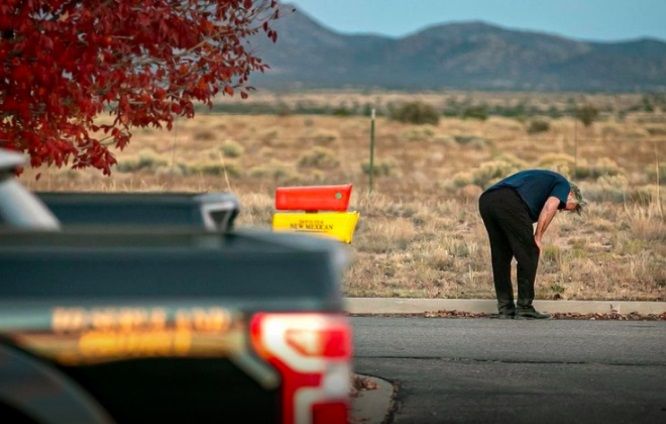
<point>313,198</point>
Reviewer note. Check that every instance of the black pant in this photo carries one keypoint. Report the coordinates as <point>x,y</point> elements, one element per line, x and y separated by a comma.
<point>509,227</point>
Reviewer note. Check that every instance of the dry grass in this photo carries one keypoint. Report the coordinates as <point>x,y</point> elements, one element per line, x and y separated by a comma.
<point>420,233</point>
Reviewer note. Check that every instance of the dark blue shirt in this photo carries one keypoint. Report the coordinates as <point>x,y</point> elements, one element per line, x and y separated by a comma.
<point>535,186</point>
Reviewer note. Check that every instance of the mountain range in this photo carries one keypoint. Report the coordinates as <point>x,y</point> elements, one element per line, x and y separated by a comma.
<point>462,55</point>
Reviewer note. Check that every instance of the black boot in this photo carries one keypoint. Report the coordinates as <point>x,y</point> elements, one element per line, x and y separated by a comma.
<point>506,309</point>
<point>525,310</point>
<point>504,315</point>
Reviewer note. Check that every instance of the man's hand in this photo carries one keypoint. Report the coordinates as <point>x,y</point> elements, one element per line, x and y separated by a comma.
<point>546,215</point>
<point>538,242</point>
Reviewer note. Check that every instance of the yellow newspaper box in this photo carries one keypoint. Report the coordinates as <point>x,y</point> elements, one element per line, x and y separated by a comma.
<point>335,222</point>
<point>339,225</point>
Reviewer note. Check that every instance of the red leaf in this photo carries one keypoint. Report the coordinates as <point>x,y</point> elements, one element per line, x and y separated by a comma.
<point>65,68</point>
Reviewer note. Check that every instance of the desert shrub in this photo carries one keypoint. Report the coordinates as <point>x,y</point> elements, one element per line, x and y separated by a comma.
<point>215,169</point>
<point>415,113</point>
<point>471,141</point>
<point>469,192</point>
<point>614,180</point>
<point>657,99</point>
<point>586,114</point>
<point>418,134</point>
<point>551,257</point>
<point>269,135</point>
<point>381,168</point>
<point>517,111</point>
<point>171,171</point>
<point>204,135</point>
<point>489,172</point>
<point>323,136</point>
<point>603,167</point>
<point>319,157</point>
<point>444,140</point>
<point>647,104</point>
<point>642,195</point>
<point>608,189</point>
<point>557,290</point>
<point>313,177</point>
<point>611,130</point>
<point>342,111</point>
<point>462,179</point>
<point>147,160</point>
<point>651,172</point>
<point>558,162</point>
<point>511,160</point>
<point>656,130</point>
<point>232,149</point>
<point>479,112</point>
<point>275,170</point>
<point>385,236</point>
<point>458,248</point>
<point>282,109</point>
<point>184,169</point>
<point>538,126</point>
<point>555,158</point>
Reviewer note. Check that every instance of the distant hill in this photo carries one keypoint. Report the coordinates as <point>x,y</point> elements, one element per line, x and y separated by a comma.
<point>466,55</point>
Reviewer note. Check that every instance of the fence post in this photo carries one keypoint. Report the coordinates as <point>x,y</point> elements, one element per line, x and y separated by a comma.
<point>656,160</point>
<point>372,148</point>
<point>575,171</point>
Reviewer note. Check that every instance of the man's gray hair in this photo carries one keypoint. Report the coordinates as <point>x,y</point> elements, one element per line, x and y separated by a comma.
<point>580,202</point>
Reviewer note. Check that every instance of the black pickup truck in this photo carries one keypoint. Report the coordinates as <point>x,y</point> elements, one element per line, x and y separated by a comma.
<point>149,323</point>
<point>211,211</point>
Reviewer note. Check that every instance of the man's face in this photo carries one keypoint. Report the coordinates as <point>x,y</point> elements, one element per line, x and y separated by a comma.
<point>571,203</point>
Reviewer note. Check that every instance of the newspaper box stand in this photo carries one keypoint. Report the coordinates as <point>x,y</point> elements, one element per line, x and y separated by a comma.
<point>321,210</point>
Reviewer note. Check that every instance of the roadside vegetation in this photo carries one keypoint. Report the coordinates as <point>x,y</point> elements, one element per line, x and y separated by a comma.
<point>420,234</point>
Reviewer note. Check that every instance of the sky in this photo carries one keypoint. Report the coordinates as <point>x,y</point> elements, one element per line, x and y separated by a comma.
<point>592,20</point>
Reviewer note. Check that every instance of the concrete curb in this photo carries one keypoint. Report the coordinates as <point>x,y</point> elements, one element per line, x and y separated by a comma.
<point>372,406</point>
<point>385,305</point>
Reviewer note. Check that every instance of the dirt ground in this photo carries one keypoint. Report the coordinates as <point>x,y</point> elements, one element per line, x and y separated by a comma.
<point>420,234</point>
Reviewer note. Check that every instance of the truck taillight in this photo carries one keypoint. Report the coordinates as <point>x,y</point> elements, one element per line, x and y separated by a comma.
<point>324,342</point>
<point>312,351</point>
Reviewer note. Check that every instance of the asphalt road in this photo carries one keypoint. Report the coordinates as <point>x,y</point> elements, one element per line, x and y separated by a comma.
<point>506,371</point>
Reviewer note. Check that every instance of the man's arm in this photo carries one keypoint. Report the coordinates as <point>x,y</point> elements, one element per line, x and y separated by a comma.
<point>546,215</point>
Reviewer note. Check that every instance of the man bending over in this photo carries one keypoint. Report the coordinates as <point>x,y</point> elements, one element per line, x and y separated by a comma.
<point>508,210</point>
